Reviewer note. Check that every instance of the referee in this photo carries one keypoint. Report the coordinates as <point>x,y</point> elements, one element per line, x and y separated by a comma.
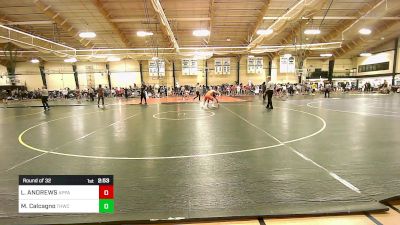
<point>45,97</point>
<point>197,92</point>
<point>270,91</point>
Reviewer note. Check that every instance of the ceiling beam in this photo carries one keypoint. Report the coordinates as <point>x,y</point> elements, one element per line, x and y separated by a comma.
<point>4,19</point>
<point>211,14</point>
<point>378,29</point>
<point>298,28</point>
<point>260,20</point>
<point>165,27</point>
<point>294,13</point>
<point>63,23</point>
<point>44,22</point>
<point>338,18</point>
<point>107,16</point>
<point>347,24</point>
<point>141,20</point>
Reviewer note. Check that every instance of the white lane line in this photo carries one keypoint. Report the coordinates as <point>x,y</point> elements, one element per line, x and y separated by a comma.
<point>344,111</point>
<point>45,152</point>
<point>26,161</point>
<point>335,176</point>
<point>341,180</point>
<point>99,129</point>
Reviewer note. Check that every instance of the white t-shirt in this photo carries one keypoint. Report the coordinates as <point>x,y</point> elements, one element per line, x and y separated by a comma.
<point>45,92</point>
<point>270,85</point>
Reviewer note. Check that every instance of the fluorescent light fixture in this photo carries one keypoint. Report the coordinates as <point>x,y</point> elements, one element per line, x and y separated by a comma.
<point>265,31</point>
<point>87,34</point>
<point>201,33</point>
<point>365,54</point>
<point>312,31</point>
<point>35,61</point>
<point>365,31</point>
<point>144,33</point>
<point>326,55</point>
<point>113,59</point>
<point>99,56</point>
<point>287,55</point>
<point>70,60</point>
<point>154,58</point>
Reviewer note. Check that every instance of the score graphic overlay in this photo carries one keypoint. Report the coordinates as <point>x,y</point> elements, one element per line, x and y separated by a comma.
<point>66,194</point>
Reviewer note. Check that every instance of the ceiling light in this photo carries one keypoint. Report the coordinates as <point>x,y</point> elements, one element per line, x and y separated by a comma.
<point>365,54</point>
<point>382,38</point>
<point>264,31</point>
<point>113,59</point>
<point>70,60</point>
<point>228,39</point>
<point>365,31</point>
<point>201,33</point>
<point>87,34</point>
<point>312,31</point>
<point>251,56</point>
<point>287,55</point>
<point>154,58</point>
<point>99,56</point>
<point>144,33</point>
<point>326,55</point>
<point>35,61</point>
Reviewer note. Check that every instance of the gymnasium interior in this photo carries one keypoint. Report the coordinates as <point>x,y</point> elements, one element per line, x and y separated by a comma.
<point>200,112</point>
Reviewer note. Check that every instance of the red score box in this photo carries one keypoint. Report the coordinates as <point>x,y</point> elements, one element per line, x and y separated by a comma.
<point>106,191</point>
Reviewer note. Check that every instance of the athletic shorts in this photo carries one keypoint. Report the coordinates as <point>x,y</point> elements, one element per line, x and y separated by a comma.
<point>207,97</point>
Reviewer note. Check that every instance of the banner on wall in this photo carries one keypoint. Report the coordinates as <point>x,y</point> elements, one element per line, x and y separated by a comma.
<point>287,64</point>
<point>189,67</point>
<point>156,68</point>
<point>255,65</point>
<point>222,66</point>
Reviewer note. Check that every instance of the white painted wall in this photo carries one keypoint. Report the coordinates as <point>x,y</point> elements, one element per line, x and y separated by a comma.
<point>3,75</point>
<point>125,73</point>
<point>398,61</point>
<point>274,69</point>
<point>29,75</point>
<point>377,58</point>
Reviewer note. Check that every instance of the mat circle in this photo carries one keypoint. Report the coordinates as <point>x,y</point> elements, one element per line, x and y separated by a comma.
<point>22,142</point>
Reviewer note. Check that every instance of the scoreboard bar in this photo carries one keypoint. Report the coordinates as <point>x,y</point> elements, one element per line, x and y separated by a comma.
<point>66,194</point>
<point>65,179</point>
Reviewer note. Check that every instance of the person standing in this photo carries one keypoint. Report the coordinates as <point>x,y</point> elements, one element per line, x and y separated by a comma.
<point>100,95</point>
<point>126,93</point>
<point>65,93</point>
<point>197,92</point>
<point>238,89</point>
<point>143,93</point>
<point>45,97</point>
<point>270,91</point>
<point>327,90</point>
<point>91,94</point>
<point>264,91</point>
<point>78,95</point>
